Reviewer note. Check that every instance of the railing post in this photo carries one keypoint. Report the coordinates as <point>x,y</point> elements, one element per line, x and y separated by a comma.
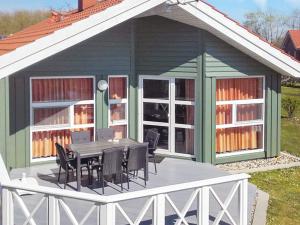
<point>7,207</point>
<point>159,210</point>
<point>203,206</point>
<point>107,214</point>
<point>53,211</point>
<point>243,202</point>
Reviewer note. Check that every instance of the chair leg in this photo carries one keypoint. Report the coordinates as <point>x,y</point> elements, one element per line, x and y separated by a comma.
<point>59,174</point>
<point>145,176</point>
<point>121,180</point>
<point>154,164</point>
<point>127,172</point>
<point>66,179</point>
<point>102,181</point>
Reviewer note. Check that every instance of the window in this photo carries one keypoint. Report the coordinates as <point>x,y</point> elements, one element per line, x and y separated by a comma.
<point>118,105</point>
<point>59,106</point>
<point>239,114</point>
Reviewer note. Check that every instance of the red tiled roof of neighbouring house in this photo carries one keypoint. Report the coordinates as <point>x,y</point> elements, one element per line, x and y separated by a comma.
<point>295,37</point>
<point>56,22</point>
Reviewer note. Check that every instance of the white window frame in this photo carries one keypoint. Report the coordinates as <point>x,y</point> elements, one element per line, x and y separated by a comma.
<point>172,102</point>
<point>118,101</point>
<point>248,123</point>
<point>69,104</point>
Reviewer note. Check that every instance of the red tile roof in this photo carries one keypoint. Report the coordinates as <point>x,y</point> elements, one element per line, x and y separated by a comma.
<point>295,37</point>
<point>55,22</point>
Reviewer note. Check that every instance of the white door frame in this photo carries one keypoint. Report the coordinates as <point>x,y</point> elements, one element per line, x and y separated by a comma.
<point>172,103</point>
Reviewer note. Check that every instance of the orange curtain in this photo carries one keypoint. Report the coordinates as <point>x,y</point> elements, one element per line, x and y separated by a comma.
<point>54,90</point>
<point>241,138</point>
<point>120,131</point>
<point>43,142</point>
<point>59,90</point>
<point>117,87</point>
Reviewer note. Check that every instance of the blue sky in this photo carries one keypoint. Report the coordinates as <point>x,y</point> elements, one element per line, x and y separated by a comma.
<point>234,8</point>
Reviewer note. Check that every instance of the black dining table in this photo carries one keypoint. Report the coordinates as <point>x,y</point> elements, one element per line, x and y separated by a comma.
<point>96,148</point>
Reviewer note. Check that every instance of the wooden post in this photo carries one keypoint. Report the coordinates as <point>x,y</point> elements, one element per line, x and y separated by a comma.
<point>107,214</point>
<point>7,207</point>
<point>53,211</point>
<point>203,206</point>
<point>243,202</point>
<point>159,210</point>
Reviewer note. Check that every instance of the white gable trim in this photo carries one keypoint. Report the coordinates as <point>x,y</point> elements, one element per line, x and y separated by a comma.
<point>242,39</point>
<point>77,32</point>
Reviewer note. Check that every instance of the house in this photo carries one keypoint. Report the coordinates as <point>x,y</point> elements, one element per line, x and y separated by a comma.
<point>209,86</point>
<point>291,43</point>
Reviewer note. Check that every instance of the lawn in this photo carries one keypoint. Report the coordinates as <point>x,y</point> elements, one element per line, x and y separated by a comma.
<point>283,187</point>
<point>290,128</point>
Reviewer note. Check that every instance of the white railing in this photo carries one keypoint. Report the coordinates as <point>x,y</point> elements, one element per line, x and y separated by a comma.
<point>107,207</point>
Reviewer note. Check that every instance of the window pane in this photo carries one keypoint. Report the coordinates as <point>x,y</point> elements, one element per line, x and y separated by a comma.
<point>248,112</point>
<point>163,142</point>
<point>223,114</point>
<point>185,89</point>
<point>120,131</point>
<point>117,112</point>
<point>55,90</point>
<point>239,138</point>
<point>156,89</point>
<point>157,112</point>
<point>51,116</point>
<point>184,114</point>
<point>83,114</point>
<point>184,141</point>
<point>239,89</point>
<point>117,87</point>
<point>43,142</point>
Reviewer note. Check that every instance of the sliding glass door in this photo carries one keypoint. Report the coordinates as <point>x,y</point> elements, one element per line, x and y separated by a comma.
<point>167,107</point>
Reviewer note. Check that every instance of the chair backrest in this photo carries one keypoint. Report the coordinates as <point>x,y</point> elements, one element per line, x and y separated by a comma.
<point>104,134</point>
<point>136,156</point>
<point>112,161</point>
<point>152,138</point>
<point>63,158</point>
<point>79,137</point>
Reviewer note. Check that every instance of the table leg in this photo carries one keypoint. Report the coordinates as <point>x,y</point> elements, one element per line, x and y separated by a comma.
<point>78,174</point>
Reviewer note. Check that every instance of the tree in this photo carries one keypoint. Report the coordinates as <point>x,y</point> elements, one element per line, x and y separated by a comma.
<point>11,22</point>
<point>294,20</point>
<point>268,24</point>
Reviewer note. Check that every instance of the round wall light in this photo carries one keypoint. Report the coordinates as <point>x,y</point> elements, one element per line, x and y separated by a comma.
<point>102,85</point>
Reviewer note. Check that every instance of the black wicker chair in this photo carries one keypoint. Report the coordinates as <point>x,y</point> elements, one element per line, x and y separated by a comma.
<point>105,134</point>
<point>152,139</point>
<point>136,159</point>
<point>110,164</point>
<point>68,164</point>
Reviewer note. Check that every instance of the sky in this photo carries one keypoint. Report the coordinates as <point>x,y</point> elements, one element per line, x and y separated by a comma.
<point>234,8</point>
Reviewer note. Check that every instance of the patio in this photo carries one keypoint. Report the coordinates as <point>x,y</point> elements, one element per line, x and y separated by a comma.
<point>170,172</point>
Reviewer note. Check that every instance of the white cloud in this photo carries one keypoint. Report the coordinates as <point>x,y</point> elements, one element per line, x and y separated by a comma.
<point>263,3</point>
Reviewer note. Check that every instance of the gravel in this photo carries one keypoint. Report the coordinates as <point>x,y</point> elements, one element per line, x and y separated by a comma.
<point>283,159</point>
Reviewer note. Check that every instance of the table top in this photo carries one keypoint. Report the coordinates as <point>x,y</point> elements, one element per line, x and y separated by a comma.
<point>97,147</point>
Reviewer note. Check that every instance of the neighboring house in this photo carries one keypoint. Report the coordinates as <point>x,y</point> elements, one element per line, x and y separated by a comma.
<point>291,43</point>
<point>209,86</point>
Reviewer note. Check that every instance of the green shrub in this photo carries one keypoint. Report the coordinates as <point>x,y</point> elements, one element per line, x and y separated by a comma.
<point>289,105</point>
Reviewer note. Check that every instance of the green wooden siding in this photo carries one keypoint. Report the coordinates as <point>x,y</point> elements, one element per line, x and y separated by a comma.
<point>145,46</point>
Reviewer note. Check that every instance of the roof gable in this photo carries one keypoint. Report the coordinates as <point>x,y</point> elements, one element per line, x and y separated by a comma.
<point>295,37</point>
<point>80,29</point>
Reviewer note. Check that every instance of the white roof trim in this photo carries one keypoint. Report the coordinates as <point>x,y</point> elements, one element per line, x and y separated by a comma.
<point>239,37</point>
<point>79,31</point>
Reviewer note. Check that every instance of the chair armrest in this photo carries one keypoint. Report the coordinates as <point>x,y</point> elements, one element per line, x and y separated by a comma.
<point>70,154</point>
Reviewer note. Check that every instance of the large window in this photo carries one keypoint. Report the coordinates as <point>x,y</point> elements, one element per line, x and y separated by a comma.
<point>239,115</point>
<point>118,104</point>
<point>59,106</point>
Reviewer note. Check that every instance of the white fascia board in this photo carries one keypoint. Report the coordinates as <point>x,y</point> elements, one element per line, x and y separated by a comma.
<point>238,36</point>
<point>77,32</point>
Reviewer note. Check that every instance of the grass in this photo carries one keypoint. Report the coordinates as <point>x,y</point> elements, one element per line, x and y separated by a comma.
<point>290,128</point>
<point>283,187</point>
